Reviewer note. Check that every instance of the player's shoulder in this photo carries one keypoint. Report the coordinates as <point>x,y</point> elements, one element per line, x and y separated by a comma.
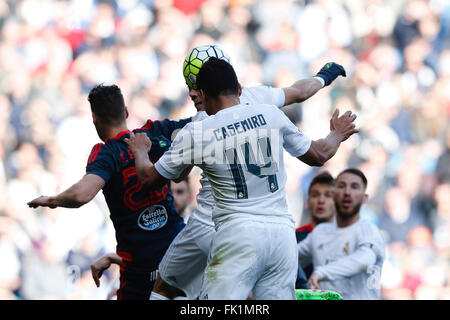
<point>98,151</point>
<point>324,227</point>
<point>200,116</point>
<point>159,127</point>
<point>114,146</point>
<point>266,108</point>
<point>304,228</point>
<point>369,234</point>
<point>366,228</point>
<point>190,125</point>
<point>97,147</point>
<point>186,132</point>
<point>150,124</point>
<point>148,127</point>
<point>258,90</point>
<point>302,232</point>
<point>263,93</point>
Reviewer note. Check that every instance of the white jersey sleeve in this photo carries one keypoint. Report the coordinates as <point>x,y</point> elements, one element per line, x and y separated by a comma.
<point>368,235</point>
<point>348,266</point>
<point>276,96</point>
<point>295,142</point>
<point>263,95</point>
<point>179,156</point>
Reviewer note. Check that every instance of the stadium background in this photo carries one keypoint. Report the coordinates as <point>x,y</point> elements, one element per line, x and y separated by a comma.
<point>397,58</point>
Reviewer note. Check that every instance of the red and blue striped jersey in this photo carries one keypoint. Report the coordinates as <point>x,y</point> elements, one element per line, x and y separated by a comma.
<point>145,220</point>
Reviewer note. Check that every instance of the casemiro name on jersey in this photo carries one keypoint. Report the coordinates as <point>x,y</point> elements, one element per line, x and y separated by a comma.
<point>239,127</point>
<point>252,136</point>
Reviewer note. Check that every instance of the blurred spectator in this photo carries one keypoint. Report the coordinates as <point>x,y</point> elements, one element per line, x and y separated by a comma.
<point>399,217</point>
<point>441,217</point>
<point>443,163</point>
<point>45,275</point>
<point>182,197</point>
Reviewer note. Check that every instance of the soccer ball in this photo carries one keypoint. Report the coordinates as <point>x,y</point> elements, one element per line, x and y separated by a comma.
<point>196,58</point>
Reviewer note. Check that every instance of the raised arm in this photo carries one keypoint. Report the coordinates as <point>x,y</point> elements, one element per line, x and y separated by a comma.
<point>139,144</point>
<point>341,128</point>
<point>305,88</point>
<point>166,127</point>
<point>77,195</point>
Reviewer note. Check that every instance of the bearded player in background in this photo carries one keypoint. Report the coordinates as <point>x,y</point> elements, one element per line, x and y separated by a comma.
<point>347,255</point>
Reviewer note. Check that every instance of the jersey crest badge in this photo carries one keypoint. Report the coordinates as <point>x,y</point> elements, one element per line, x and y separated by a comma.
<point>346,248</point>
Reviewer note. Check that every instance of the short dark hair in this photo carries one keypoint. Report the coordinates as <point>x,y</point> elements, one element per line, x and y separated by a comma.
<point>217,77</point>
<point>356,172</point>
<point>323,177</point>
<point>107,103</point>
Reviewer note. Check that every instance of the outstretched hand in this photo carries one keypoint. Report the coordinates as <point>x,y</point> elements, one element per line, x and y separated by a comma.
<point>344,124</point>
<point>138,142</point>
<point>41,201</point>
<point>330,72</point>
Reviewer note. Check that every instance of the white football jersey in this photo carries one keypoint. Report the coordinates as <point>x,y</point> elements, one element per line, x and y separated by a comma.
<point>240,149</point>
<point>252,95</point>
<point>350,258</point>
<point>205,199</point>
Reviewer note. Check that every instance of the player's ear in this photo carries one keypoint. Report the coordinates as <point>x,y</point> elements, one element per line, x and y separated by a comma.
<point>366,196</point>
<point>126,113</point>
<point>94,118</point>
<point>202,94</point>
<point>239,89</point>
<point>308,207</point>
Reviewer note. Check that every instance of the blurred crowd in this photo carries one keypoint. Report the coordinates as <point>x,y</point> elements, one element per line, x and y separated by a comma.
<point>52,52</point>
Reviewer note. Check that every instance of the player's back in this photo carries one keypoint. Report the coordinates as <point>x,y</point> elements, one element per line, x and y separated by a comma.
<point>252,95</point>
<point>145,220</point>
<point>242,155</point>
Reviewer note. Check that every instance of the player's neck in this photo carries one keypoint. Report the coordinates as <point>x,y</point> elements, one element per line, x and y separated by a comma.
<point>343,221</point>
<point>112,131</point>
<point>222,102</point>
<point>314,221</point>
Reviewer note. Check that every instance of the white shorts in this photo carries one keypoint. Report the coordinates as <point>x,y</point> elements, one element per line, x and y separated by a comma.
<point>251,256</point>
<point>185,260</point>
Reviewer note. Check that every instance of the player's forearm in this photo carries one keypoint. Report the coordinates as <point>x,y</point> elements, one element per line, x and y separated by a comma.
<point>143,167</point>
<point>322,150</point>
<point>348,266</point>
<point>114,259</point>
<point>146,171</point>
<point>70,198</point>
<point>302,90</point>
<point>330,145</point>
<point>77,195</point>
